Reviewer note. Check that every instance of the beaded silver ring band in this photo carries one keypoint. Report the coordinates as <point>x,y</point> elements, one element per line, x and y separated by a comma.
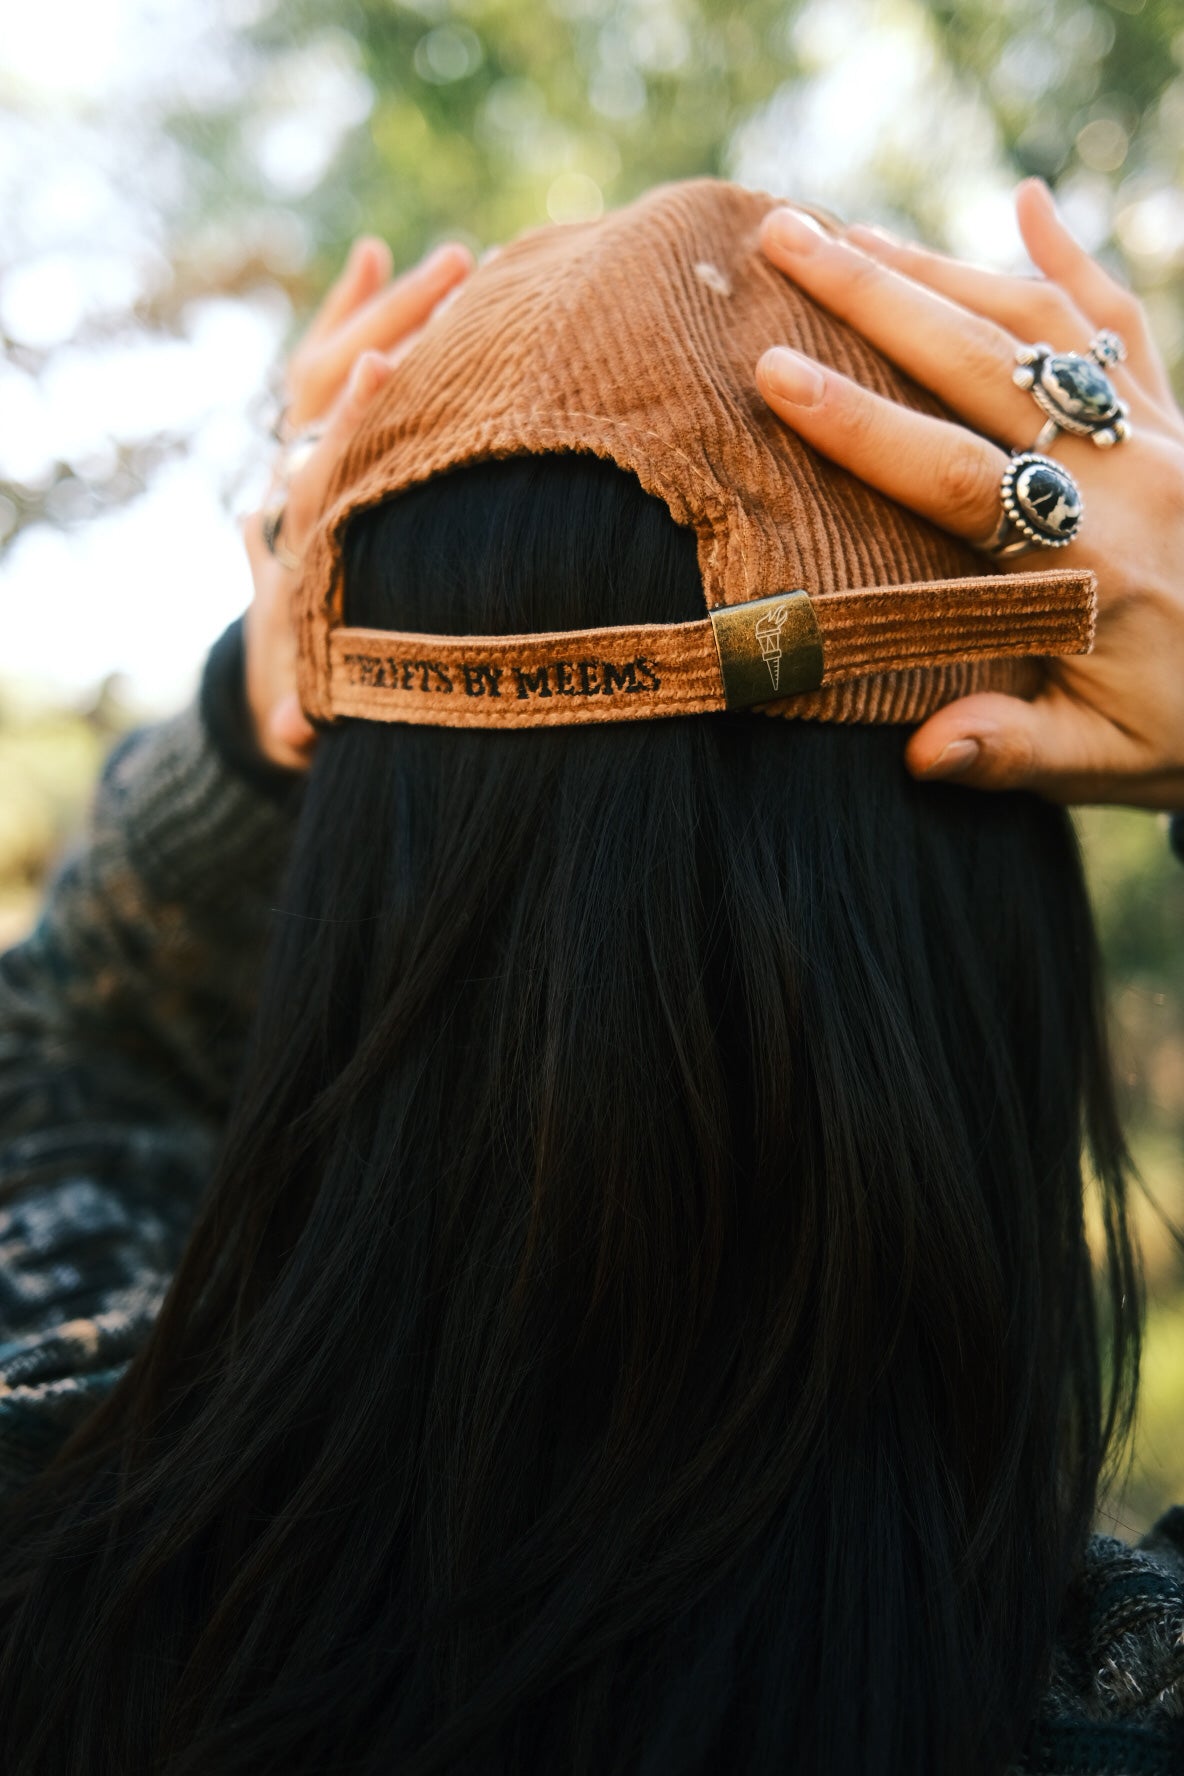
<point>1042,506</point>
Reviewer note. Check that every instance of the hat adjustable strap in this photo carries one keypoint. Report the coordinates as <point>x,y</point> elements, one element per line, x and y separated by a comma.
<point>739,656</point>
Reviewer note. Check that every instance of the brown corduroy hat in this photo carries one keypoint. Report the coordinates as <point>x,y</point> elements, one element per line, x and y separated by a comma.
<point>635,338</point>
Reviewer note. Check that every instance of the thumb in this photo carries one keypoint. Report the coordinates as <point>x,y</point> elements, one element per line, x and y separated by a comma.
<point>990,741</point>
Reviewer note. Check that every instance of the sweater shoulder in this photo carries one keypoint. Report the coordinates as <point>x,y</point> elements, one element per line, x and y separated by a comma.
<point>1114,1704</point>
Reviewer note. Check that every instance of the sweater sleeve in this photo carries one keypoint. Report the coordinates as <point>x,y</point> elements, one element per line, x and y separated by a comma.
<point>123,1018</point>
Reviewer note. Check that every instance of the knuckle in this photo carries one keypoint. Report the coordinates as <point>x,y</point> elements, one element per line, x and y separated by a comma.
<point>1009,759</point>
<point>862,276</point>
<point>968,484</point>
<point>985,355</point>
<point>1054,315</point>
<point>854,413</point>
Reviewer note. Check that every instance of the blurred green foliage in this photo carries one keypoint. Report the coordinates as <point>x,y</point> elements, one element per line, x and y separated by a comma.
<point>1137,888</point>
<point>475,119</point>
<point>1056,70</point>
<point>491,115</point>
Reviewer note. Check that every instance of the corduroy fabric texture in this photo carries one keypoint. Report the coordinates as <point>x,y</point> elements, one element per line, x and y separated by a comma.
<point>635,338</point>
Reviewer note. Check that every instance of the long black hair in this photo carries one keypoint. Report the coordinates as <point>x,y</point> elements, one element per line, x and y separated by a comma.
<point>642,1321</point>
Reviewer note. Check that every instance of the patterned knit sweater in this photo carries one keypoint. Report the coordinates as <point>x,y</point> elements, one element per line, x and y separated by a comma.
<point>122,1020</point>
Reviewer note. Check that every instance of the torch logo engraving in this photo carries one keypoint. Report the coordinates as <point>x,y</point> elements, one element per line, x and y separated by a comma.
<point>768,633</point>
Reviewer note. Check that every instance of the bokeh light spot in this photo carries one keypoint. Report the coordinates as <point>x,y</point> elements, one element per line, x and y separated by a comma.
<point>450,52</point>
<point>574,197</point>
<point>1102,145</point>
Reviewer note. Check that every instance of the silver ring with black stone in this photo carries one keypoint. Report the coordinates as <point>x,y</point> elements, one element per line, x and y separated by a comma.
<point>1041,506</point>
<point>290,461</point>
<point>272,523</point>
<point>1074,391</point>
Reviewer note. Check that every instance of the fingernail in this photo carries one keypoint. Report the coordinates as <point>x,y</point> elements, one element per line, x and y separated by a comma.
<point>792,377</point>
<point>792,231</point>
<point>953,759</point>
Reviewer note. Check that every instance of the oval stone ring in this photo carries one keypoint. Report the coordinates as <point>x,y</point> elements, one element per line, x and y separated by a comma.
<point>1074,390</point>
<point>1041,506</point>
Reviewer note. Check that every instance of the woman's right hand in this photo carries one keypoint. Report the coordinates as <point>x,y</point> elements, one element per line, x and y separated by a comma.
<point>1109,727</point>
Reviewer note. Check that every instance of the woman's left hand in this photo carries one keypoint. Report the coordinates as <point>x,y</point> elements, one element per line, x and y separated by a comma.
<point>364,325</point>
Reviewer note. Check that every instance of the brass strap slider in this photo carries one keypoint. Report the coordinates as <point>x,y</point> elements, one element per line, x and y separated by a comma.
<point>768,648</point>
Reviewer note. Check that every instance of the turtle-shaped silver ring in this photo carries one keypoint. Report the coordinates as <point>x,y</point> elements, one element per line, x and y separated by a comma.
<point>1073,389</point>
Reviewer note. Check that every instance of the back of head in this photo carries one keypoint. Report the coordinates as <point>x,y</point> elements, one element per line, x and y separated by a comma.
<point>642,1320</point>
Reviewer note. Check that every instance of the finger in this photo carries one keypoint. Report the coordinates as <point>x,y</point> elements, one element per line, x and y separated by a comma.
<point>1052,745</point>
<point>292,736</point>
<point>941,470</point>
<point>251,530</point>
<point>366,270</point>
<point>1063,260</point>
<point>395,311</point>
<point>306,490</point>
<point>966,359</point>
<point>1030,308</point>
